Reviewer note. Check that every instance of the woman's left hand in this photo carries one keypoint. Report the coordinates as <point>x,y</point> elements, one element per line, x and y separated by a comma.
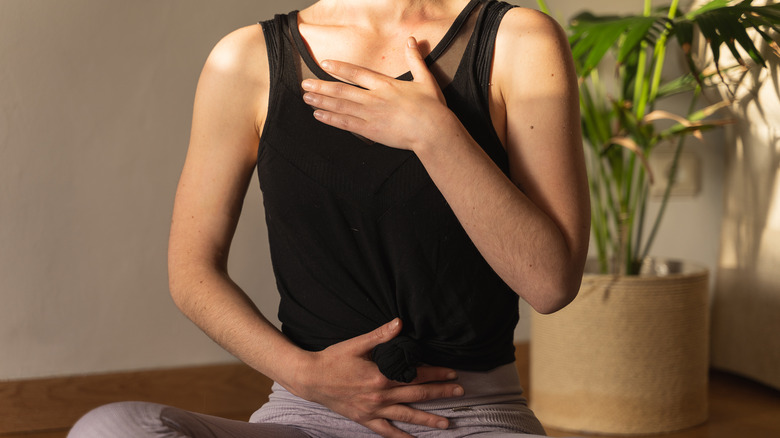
<point>399,114</point>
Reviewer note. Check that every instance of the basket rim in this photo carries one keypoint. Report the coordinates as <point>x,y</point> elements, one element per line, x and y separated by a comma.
<point>652,268</point>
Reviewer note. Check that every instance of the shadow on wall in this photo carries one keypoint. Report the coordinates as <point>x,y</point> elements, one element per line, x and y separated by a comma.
<point>747,297</point>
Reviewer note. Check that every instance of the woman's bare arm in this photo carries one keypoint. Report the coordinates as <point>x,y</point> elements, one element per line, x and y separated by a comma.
<point>536,237</point>
<point>231,93</point>
<point>532,228</point>
<point>229,111</point>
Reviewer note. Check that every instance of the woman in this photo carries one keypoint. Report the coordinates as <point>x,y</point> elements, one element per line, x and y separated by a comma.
<point>432,199</point>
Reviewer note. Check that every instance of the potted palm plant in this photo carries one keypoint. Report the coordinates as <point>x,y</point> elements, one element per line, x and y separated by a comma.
<point>630,354</point>
<point>621,126</point>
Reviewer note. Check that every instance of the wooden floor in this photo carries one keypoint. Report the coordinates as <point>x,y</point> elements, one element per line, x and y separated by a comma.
<point>42,409</point>
<point>738,408</point>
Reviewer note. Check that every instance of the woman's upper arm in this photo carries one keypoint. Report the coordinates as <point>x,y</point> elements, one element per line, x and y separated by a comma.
<point>229,109</point>
<point>538,87</point>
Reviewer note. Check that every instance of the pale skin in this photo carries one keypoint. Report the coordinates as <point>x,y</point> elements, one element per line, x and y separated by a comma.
<point>531,227</point>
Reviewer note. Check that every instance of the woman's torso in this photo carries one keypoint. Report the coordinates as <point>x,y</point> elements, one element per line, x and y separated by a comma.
<point>359,233</point>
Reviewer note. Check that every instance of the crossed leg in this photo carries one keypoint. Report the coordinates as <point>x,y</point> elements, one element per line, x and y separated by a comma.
<point>151,420</point>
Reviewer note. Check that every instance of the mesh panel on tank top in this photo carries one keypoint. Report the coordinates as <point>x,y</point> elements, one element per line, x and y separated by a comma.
<point>443,61</point>
<point>359,233</point>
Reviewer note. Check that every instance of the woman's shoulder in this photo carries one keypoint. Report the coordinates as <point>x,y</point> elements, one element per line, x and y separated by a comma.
<point>529,43</point>
<point>240,54</point>
<point>529,27</point>
<point>235,78</point>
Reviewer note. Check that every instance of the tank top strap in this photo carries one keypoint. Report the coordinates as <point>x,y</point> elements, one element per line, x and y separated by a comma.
<point>455,29</point>
<point>281,57</point>
<point>273,43</point>
<point>480,55</point>
<point>471,78</point>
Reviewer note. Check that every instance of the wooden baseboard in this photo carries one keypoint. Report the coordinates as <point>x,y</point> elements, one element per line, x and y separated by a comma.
<point>48,407</point>
<point>228,390</point>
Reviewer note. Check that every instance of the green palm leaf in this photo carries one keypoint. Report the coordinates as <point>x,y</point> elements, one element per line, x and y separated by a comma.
<point>593,37</point>
<point>756,23</point>
<point>726,23</point>
<point>682,84</point>
<point>714,40</point>
<point>715,4</point>
<point>722,24</point>
<point>640,31</point>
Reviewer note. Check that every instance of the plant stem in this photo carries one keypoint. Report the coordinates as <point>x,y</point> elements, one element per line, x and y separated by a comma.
<point>642,203</point>
<point>670,180</point>
<point>640,82</point>
<point>599,217</point>
<point>660,53</point>
<point>627,211</point>
<point>601,93</point>
<point>646,101</point>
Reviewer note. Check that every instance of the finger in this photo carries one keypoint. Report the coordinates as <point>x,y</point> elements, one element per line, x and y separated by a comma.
<point>342,121</point>
<point>416,62</point>
<point>334,89</point>
<point>406,414</point>
<point>355,74</point>
<point>427,374</point>
<point>331,104</point>
<point>418,393</point>
<point>363,344</point>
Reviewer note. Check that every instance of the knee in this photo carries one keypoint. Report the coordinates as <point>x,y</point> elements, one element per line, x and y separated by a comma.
<point>116,420</point>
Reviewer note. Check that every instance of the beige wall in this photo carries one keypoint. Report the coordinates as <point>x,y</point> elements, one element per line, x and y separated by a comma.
<point>95,102</point>
<point>95,106</point>
<point>747,300</point>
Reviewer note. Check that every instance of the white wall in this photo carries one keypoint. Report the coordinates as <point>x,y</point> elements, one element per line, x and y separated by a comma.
<point>95,103</point>
<point>95,107</point>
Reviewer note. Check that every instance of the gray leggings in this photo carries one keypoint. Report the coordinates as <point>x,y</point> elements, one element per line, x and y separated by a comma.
<point>492,407</point>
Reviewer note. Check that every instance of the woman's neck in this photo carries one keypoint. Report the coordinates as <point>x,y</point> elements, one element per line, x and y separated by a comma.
<point>380,14</point>
<point>372,33</point>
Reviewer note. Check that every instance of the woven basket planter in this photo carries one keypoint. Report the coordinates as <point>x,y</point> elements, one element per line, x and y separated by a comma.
<point>628,356</point>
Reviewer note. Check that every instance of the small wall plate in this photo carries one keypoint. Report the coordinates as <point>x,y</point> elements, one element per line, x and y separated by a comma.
<point>688,181</point>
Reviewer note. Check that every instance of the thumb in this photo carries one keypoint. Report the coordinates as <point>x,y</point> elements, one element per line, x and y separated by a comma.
<point>415,61</point>
<point>363,344</point>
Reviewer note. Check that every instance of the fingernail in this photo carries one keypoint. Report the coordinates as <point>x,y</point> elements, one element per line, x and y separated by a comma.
<point>318,114</point>
<point>308,98</point>
<point>452,376</point>
<point>307,85</point>
<point>442,424</point>
<point>325,65</point>
<point>395,323</point>
<point>457,392</point>
<point>411,42</point>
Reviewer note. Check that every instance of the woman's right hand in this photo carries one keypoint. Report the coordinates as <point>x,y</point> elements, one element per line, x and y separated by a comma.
<point>344,379</point>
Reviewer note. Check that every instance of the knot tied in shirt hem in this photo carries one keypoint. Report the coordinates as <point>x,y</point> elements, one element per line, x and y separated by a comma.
<point>398,358</point>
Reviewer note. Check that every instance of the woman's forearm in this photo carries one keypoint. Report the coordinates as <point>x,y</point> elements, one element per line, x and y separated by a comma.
<point>523,244</point>
<point>208,297</point>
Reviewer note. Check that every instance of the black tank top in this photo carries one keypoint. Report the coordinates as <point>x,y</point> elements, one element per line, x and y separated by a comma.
<point>359,234</point>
